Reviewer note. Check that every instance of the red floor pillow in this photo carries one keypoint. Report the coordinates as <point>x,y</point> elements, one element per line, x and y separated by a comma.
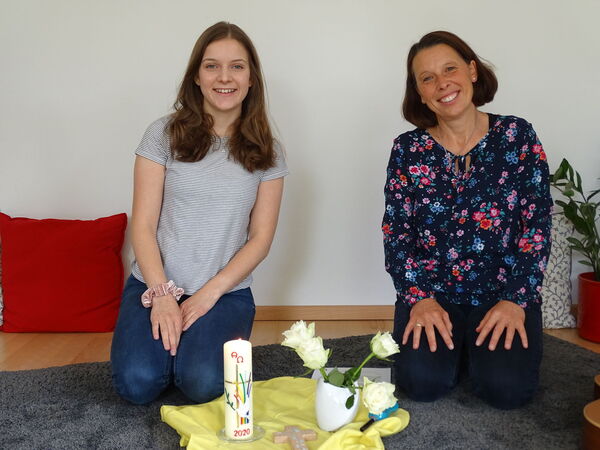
<point>61,275</point>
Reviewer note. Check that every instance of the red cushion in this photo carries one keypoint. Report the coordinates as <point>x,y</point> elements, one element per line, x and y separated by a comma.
<point>61,275</point>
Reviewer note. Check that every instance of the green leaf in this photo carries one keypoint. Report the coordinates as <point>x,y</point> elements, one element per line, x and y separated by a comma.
<point>561,171</point>
<point>594,193</point>
<point>585,263</point>
<point>570,211</point>
<point>335,371</point>
<point>336,378</point>
<point>305,373</point>
<point>352,375</point>
<point>588,210</point>
<point>350,402</point>
<point>575,241</point>
<point>559,184</point>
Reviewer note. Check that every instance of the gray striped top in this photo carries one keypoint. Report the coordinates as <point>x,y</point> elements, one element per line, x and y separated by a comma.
<point>205,210</point>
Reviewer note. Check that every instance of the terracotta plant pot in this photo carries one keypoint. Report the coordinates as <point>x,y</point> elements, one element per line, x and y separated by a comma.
<point>588,320</point>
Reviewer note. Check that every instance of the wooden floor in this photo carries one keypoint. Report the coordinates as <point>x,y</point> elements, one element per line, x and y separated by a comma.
<point>22,351</point>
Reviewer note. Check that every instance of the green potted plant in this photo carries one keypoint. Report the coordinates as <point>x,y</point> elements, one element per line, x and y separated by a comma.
<point>582,212</point>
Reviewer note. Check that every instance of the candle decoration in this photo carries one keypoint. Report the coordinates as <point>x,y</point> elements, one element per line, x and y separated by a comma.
<point>237,368</point>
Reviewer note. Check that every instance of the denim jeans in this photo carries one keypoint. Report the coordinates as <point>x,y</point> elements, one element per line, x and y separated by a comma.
<point>505,379</point>
<point>142,368</point>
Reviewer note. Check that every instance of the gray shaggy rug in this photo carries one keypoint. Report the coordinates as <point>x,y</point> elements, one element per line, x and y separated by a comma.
<point>74,407</point>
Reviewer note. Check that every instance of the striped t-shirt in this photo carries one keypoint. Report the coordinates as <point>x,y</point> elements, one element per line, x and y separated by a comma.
<point>205,210</point>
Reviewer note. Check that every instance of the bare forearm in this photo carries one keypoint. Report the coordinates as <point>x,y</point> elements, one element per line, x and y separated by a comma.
<point>239,267</point>
<point>147,255</point>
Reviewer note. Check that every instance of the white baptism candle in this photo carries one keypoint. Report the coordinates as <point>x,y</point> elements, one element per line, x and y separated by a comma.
<point>237,358</point>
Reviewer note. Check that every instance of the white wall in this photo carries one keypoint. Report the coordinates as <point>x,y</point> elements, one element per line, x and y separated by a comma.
<point>80,80</point>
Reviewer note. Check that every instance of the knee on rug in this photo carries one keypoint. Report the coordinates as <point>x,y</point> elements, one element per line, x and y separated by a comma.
<point>504,393</point>
<point>200,387</point>
<point>425,385</point>
<point>138,386</point>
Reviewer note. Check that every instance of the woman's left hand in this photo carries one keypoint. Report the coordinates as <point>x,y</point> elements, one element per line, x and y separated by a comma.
<point>507,316</point>
<point>196,306</point>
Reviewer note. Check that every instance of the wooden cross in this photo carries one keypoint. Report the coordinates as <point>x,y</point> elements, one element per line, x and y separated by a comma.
<point>295,437</point>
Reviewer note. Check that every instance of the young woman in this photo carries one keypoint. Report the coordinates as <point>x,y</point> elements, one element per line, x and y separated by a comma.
<point>208,182</point>
<point>466,232</point>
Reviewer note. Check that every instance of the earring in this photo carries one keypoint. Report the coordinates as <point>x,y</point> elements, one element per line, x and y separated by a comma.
<point>474,79</point>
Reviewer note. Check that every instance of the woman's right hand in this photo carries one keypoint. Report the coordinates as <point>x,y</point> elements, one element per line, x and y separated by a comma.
<point>166,322</point>
<point>428,314</point>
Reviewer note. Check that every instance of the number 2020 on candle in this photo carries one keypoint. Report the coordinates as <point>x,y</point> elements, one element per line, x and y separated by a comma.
<point>237,359</point>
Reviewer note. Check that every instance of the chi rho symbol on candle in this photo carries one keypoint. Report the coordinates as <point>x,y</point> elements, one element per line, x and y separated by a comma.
<point>240,402</point>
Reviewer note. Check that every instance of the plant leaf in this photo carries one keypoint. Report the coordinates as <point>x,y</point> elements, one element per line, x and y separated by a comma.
<point>336,378</point>
<point>561,171</point>
<point>352,375</point>
<point>305,373</point>
<point>588,210</point>
<point>350,402</point>
<point>574,241</point>
<point>594,193</point>
<point>570,211</point>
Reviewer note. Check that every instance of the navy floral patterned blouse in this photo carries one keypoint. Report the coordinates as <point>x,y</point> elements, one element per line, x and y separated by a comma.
<point>471,235</point>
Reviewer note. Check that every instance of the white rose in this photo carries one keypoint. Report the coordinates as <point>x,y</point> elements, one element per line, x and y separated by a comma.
<point>383,345</point>
<point>378,397</point>
<point>312,353</point>
<point>298,334</point>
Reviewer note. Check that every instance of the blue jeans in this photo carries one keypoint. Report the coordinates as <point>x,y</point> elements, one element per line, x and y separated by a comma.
<point>505,379</point>
<point>142,368</point>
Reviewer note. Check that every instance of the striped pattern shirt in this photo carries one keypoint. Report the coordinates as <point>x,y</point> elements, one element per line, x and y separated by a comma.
<point>205,210</point>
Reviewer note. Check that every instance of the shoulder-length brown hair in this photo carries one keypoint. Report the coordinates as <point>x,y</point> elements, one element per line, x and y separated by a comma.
<point>484,88</point>
<point>190,127</point>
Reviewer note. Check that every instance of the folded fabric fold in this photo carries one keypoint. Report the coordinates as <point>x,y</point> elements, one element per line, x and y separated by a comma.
<point>279,402</point>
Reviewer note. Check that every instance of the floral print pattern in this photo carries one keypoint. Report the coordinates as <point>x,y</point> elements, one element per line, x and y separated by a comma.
<point>482,233</point>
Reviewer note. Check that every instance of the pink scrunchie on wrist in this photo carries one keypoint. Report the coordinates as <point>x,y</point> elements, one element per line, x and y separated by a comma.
<point>160,290</point>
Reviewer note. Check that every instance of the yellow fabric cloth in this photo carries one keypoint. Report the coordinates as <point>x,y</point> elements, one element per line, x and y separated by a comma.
<point>279,402</point>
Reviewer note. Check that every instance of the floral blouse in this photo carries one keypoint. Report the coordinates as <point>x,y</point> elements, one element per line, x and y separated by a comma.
<point>471,235</point>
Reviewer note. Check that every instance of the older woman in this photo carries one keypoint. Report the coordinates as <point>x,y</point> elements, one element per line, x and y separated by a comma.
<point>466,232</point>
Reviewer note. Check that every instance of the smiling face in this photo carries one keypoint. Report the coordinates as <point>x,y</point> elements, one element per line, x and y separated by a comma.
<point>224,78</point>
<point>444,81</point>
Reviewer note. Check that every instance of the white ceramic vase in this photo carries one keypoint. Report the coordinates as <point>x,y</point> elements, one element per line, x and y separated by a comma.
<point>330,406</point>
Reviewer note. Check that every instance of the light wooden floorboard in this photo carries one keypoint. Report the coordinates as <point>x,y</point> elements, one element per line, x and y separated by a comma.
<point>23,351</point>
<point>570,335</point>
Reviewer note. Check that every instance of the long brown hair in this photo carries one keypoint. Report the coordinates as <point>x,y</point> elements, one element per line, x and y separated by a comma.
<point>190,127</point>
<point>484,88</point>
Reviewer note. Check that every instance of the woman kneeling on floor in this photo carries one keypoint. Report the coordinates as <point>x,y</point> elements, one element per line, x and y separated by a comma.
<point>207,190</point>
<point>466,232</point>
